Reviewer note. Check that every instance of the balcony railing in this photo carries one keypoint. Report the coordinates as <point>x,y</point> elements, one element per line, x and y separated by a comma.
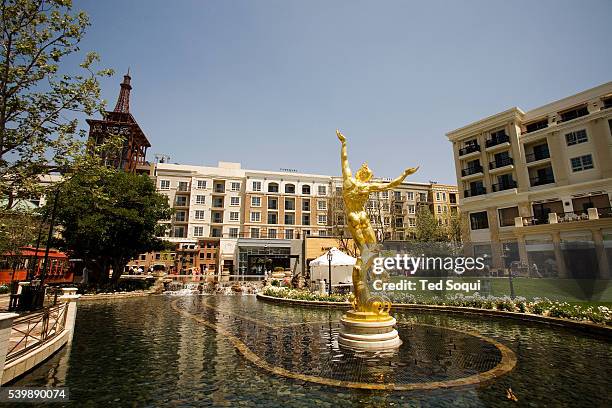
<point>471,170</point>
<point>503,186</point>
<point>469,149</point>
<point>577,215</point>
<point>496,164</point>
<point>540,181</point>
<point>473,192</point>
<point>605,212</point>
<point>531,157</point>
<point>494,141</point>
<point>534,221</point>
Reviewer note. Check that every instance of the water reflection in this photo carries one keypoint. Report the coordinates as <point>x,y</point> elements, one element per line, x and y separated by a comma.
<point>140,352</point>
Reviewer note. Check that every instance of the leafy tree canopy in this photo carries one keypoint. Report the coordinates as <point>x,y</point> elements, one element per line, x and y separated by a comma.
<point>38,102</point>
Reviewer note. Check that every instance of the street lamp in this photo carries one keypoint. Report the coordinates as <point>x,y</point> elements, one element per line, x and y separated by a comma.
<point>329,261</point>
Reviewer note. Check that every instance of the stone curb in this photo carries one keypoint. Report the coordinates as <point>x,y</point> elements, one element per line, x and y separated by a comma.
<point>555,321</point>
<point>119,295</point>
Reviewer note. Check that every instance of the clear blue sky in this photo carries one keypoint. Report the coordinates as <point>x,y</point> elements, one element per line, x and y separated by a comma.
<point>267,82</point>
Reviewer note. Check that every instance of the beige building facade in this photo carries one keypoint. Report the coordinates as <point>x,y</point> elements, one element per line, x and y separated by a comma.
<point>536,186</point>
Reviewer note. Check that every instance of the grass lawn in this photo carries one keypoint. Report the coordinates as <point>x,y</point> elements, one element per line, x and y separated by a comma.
<point>579,291</point>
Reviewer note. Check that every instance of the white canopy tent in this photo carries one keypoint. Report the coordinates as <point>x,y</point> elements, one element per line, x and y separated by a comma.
<point>341,266</point>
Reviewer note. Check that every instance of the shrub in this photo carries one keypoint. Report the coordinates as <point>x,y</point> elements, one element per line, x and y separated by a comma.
<point>4,289</point>
<point>543,307</point>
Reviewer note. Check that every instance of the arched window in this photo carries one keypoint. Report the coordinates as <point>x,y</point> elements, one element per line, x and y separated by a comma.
<point>290,188</point>
<point>306,189</point>
<point>273,188</point>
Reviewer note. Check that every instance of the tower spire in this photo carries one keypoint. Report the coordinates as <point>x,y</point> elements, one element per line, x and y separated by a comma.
<point>123,102</point>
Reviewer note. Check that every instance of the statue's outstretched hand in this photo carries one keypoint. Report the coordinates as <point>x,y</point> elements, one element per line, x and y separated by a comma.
<point>341,137</point>
<point>410,171</point>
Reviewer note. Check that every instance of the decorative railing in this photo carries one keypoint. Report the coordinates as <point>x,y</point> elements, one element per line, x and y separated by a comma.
<point>474,192</point>
<point>503,186</point>
<point>540,181</point>
<point>506,161</point>
<point>572,216</point>
<point>531,157</point>
<point>605,212</point>
<point>497,140</point>
<point>35,329</point>
<point>469,149</point>
<point>468,171</point>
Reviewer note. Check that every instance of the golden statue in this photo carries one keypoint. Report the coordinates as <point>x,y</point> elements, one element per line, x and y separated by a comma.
<point>355,193</point>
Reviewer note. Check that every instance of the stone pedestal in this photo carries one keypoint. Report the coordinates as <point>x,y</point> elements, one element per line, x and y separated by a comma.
<point>368,331</point>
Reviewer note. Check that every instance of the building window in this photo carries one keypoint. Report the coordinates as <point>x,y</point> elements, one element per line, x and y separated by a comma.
<point>179,232</point>
<point>410,195</point>
<point>216,232</point>
<point>582,163</point>
<point>234,201</point>
<point>272,218</point>
<point>387,220</point>
<point>322,205</point>
<point>306,233</point>
<point>384,195</point>
<point>272,233</point>
<point>305,219</point>
<point>438,196</point>
<point>233,232</point>
<point>479,220</point>
<point>289,204</point>
<point>412,222</point>
<point>322,190</point>
<point>540,124</point>
<point>257,186</point>
<point>164,184</point>
<point>290,219</point>
<point>439,208</point>
<point>255,216</point>
<point>289,234</point>
<point>574,113</point>
<point>322,219</point>
<point>305,205</point>
<point>217,202</point>
<point>306,189</point>
<point>577,137</point>
<point>507,216</point>
<point>199,215</point>
<point>235,186</point>
<point>422,196</point>
<point>273,188</point>
<point>198,231</point>
<point>201,184</point>
<point>255,201</point>
<point>200,199</point>
<point>254,232</point>
<point>179,216</point>
<point>290,188</point>
<point>183,186</point>
<point>181,201</point>
<point>411,208</point>
<point>272,203</point>
<point>234,216</point>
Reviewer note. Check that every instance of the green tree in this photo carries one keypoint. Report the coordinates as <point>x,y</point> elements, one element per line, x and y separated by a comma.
<point>427,228</point>
<point>38,103</point>
<point>108,217</point>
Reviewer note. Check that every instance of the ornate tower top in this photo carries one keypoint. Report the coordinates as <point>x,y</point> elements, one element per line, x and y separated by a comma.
<point>123,102</point>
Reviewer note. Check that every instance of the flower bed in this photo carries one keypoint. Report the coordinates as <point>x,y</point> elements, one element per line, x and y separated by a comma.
<point>542,307</point>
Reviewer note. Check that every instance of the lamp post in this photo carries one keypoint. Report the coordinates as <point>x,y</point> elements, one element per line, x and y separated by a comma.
<point>329,261</point>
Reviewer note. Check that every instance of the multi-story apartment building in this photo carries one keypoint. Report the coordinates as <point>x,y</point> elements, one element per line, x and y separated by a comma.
<point>248,221</point>
<point>393,213</point>
<point>536,185</point>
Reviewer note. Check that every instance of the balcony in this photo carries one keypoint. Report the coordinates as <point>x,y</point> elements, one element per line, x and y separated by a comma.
<point>469,149</point>
<point>469,171</point>
<point>473,192</point>
<point>535,126</point>
<point>499,163</point>
<point>527,221</point>
<point>537,156</point>
<point>573,114</point>
<point>503,186</point>
<point>540,181</point>
<point>183,187</point>
<point>497,140</point>
<point>604,212</point>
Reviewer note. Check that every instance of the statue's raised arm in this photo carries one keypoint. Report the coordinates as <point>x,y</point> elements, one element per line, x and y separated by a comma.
<point>374,187</point>
<point>346,170</point>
